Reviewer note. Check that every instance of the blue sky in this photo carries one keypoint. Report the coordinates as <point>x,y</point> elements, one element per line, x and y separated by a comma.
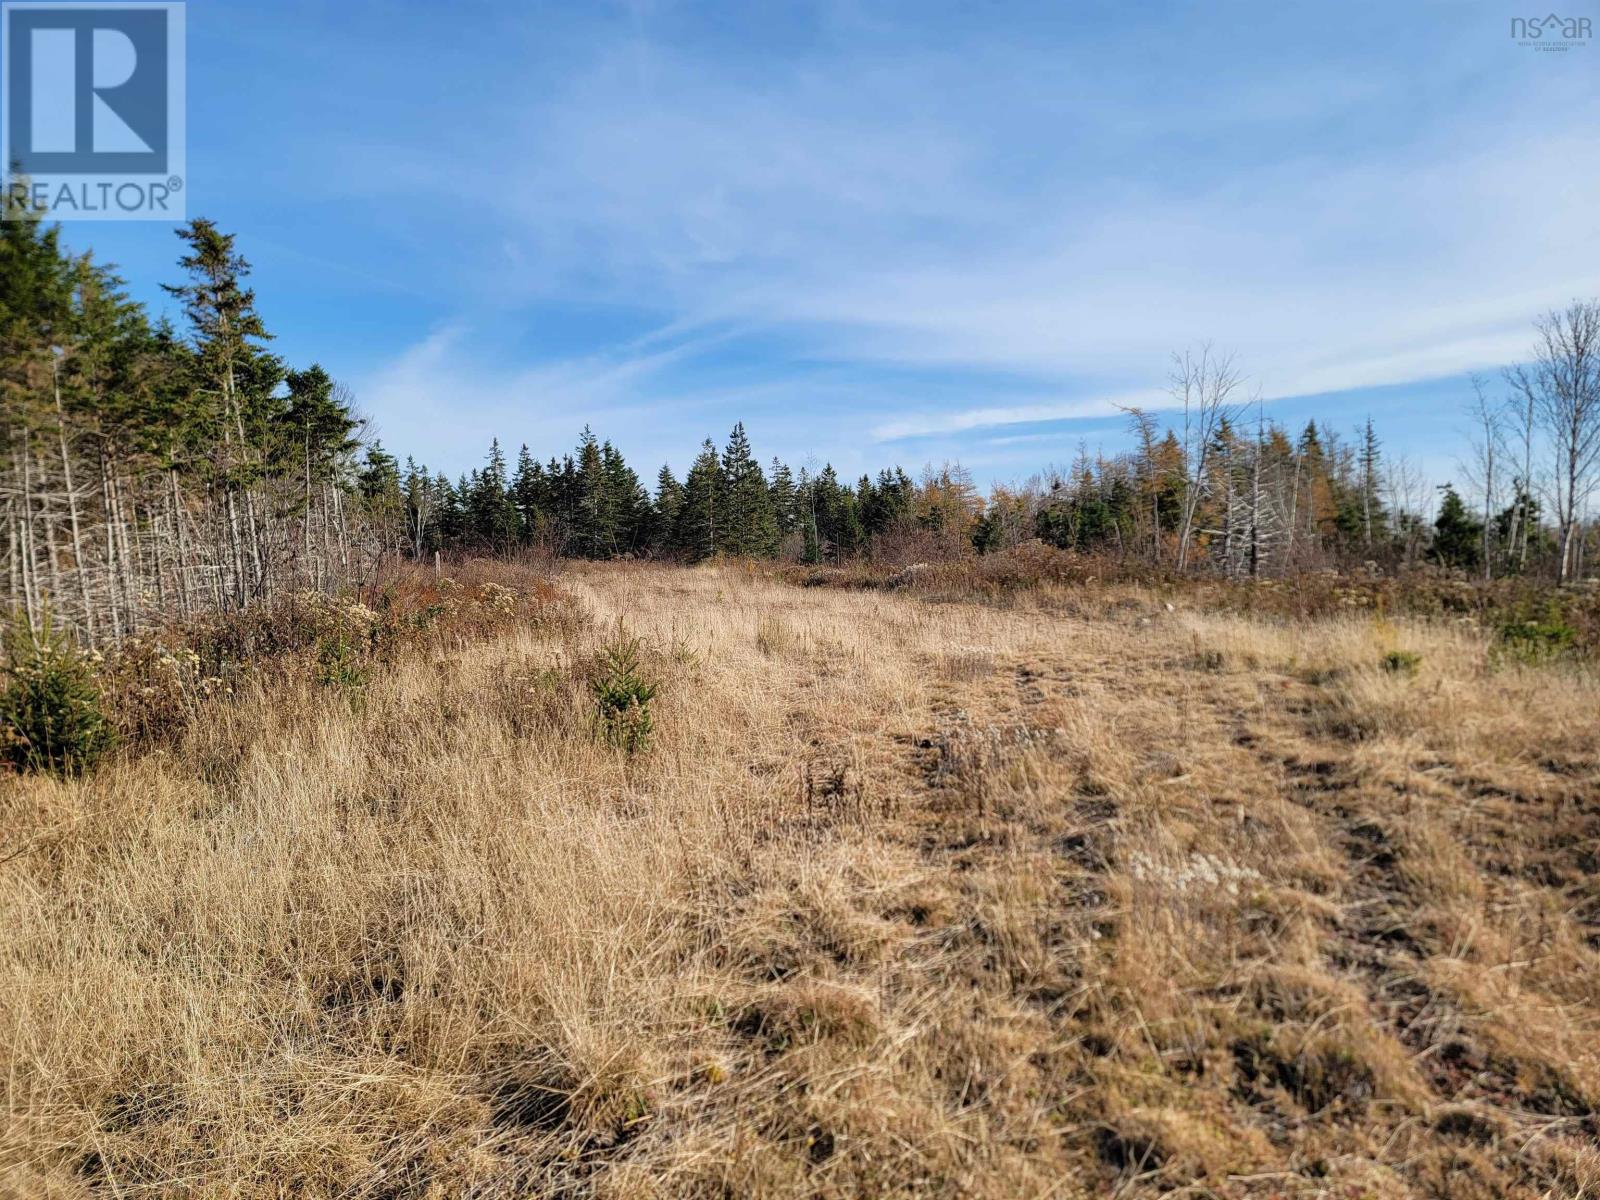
<point>884,232</point>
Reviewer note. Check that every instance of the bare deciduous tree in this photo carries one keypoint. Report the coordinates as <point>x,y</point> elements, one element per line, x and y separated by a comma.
<point>1562,386</point>
<point>1522,413</point>
<point>1409,496</point>
<point>1485,445</point>
<point>1146,430</point>
<point>1203,383</point>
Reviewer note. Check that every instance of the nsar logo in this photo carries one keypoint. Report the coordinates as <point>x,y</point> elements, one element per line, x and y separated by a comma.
<point>1552,32</point>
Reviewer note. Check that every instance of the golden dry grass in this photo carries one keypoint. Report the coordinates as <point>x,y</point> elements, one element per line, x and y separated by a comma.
<point>906,899</point>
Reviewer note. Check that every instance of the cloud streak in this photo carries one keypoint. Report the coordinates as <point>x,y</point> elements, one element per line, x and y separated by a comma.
<point>872,217</point>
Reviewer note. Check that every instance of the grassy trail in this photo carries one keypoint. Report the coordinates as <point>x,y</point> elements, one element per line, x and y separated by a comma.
<point>904,899</point>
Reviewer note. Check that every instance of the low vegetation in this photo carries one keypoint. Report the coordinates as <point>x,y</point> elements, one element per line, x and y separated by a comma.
<point>696,882</point>
<point>622,695</point>
<point>51,717</point>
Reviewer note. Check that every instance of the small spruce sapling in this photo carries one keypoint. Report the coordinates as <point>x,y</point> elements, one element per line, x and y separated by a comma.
<point>622,695</point>
<point>50,715</point>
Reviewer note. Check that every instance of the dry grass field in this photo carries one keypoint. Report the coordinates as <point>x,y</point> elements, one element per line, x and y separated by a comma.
<point>1080,896</point>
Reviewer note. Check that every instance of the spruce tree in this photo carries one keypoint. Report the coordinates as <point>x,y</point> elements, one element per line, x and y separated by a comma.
<point>630,503</point>
<point>871,507</point>
<point>380,473</point>
<point>750,526</point>
<point>379,484</point>
<point>1373,518</point>
<point>838,524</point>
<point>313,439</point>
<point>1457,535</point>
<point>594,528</point>
<point>563,480</point>
<point>805,505</point>
<point>664,516</point>
<point>421,508</point>
<point>811,553</point>
<point>317,427</point>
<point>452,515</point>
<point>490,513</point>
<point>780,488</point>
<point>700,529</point>
<point>884,501</point>
<point>229,379</point>
<point>527,495</point>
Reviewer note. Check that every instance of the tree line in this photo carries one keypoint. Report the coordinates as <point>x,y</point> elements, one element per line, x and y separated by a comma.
<point>590,504</point>
<point>149,470</point>
<point>1219,488</point>
<point>1224,488</point>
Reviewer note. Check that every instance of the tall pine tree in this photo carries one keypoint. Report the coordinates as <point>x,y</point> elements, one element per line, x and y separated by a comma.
<point>749,526</point>
<point>700,518</point>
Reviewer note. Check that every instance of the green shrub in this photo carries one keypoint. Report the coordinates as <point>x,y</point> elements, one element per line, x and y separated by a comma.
<point>622,695</point>
<point>1537,641</point>
<point>1402,662</point>
<point>341,664</point>
<point>50,717</point>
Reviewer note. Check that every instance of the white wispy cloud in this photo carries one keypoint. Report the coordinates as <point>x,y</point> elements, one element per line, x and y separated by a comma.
<point>925,424</point>
<point>1038,228</point>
